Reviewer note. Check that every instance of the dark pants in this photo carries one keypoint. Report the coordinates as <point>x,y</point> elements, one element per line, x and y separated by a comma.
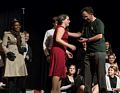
<point>16,84</point>
<point>1,74</point>
<point>95,67</point>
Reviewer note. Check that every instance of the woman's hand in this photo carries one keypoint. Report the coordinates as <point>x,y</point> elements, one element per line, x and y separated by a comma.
<point>69,54</point>
<point>72,47</point>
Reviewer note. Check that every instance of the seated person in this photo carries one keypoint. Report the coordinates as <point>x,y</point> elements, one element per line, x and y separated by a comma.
<point>112,80</point>
<point>68,82</point>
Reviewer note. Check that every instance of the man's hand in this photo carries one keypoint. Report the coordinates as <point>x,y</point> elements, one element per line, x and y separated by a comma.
<point>83,40</point>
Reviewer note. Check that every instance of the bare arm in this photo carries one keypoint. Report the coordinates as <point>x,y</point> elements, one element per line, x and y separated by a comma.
<point>78,34</point>
<point>59,35</point>
<point>69,54</point>
<point>116,89</point>
<point>94,38</point>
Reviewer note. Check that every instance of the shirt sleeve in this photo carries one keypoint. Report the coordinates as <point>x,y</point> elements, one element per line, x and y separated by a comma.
<point>99,27</point>
<point>44,44</point>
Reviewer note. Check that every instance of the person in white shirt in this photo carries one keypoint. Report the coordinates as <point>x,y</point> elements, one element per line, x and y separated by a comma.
<point>47,45</point>
<point>112,80</point>
<point>48,39</point>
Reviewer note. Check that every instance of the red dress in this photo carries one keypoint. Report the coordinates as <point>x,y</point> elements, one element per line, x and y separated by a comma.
<point>58,56</point>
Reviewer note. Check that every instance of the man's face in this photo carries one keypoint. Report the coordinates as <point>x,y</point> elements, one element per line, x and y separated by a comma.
<point>87,16</point>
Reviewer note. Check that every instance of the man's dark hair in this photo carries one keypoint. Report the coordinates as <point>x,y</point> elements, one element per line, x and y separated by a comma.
<point>88,10</point>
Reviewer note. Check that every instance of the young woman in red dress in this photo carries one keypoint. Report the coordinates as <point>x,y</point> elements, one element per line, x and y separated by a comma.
<point>58,52</point>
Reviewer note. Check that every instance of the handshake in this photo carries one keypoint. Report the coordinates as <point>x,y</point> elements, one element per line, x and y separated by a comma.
<point>11,56</point>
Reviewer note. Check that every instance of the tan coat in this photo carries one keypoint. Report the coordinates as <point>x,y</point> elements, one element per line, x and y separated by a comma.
<point>16,67</point>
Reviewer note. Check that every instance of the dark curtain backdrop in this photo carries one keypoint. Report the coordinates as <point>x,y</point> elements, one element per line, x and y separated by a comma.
<point>37,19</point>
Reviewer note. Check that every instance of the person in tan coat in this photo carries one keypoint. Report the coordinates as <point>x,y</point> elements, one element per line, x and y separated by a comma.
<point>14,47</point>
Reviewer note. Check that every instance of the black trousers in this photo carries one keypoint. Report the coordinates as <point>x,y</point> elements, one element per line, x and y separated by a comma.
<point>1,74</point>
<point>16,84</point>
<point>95,71</point>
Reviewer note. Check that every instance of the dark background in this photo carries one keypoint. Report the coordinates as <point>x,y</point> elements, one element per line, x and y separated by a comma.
<point>37,19</point>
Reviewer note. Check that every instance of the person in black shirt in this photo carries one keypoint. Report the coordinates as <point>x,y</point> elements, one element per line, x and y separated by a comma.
<point>67,85</point>
<point>93,34</point>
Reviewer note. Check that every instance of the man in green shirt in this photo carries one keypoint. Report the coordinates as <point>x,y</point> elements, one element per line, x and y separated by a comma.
<point>93,34</point>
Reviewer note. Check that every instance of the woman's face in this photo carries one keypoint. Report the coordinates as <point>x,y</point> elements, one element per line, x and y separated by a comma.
<point>17,26</point>
<point>72,70</point>
<point>66,21</point>
<point>111,59</point>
